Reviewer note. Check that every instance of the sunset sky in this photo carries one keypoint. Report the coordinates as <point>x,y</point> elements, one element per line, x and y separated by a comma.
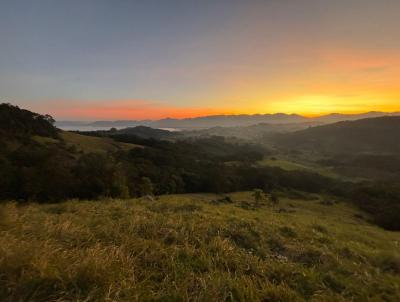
<point>88,60</point>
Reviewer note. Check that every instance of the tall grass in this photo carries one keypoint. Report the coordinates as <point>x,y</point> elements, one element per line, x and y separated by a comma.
<point>187,248</point>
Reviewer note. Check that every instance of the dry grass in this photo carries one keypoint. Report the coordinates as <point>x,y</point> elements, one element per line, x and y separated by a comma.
<point>184,248</point>
<point>89,144</point>
<point>290,165</point>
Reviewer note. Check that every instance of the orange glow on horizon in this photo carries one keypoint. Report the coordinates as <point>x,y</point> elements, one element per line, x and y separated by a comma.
<point>308,106</point>
<point>126,110</point>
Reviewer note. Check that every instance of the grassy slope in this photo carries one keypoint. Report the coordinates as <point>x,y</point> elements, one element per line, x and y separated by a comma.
<point>94,144</point>
<point>290,165</point>
<point>183,247</point>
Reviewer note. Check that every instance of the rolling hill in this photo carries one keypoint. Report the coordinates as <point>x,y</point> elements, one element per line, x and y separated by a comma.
<point>89,144</point>
<point>256,132</point>
<point>370,136</point>
<point>19,127</point>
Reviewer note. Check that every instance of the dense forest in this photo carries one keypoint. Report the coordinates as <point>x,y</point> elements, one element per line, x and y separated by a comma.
<point>38,164</point>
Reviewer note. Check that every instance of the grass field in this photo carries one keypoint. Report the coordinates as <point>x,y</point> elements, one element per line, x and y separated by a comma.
<point>191,248</point>
<point>291,165</point>
<point>94,144</point>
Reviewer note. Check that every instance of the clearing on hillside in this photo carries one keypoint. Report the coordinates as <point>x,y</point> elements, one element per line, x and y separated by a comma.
<point>291,165</point>
<point>95,144</point>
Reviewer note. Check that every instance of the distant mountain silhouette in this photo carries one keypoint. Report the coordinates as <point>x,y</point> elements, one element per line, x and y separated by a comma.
<point>229,120</point>
<point>225,120</point>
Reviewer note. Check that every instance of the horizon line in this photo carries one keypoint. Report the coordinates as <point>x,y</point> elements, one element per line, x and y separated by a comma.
<point>308,116</point>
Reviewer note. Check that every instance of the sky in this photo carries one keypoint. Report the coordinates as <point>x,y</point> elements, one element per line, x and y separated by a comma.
<point>120,59</point>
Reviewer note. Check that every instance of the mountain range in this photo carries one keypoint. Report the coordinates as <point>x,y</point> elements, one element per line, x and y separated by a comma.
<point>222,121</point>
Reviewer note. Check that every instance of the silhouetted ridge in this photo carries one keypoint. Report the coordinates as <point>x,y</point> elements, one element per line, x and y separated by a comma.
<point>16,121</point>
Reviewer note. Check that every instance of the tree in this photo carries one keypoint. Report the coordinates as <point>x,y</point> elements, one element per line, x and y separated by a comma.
<point>98,176</point>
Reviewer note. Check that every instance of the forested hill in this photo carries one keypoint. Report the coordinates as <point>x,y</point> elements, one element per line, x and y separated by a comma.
<point>21,122</point>
<point>41,163</point>
<point>140,132</point>
<point>373,135</point>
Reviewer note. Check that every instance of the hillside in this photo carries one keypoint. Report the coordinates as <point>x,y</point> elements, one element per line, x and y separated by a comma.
<point>19,127</point>
<point>147,132</point>
<point>15,121</point>
<point>89,144</point>
<point>375,135</point>
<point>42,163</point>
<point>193,248</point>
